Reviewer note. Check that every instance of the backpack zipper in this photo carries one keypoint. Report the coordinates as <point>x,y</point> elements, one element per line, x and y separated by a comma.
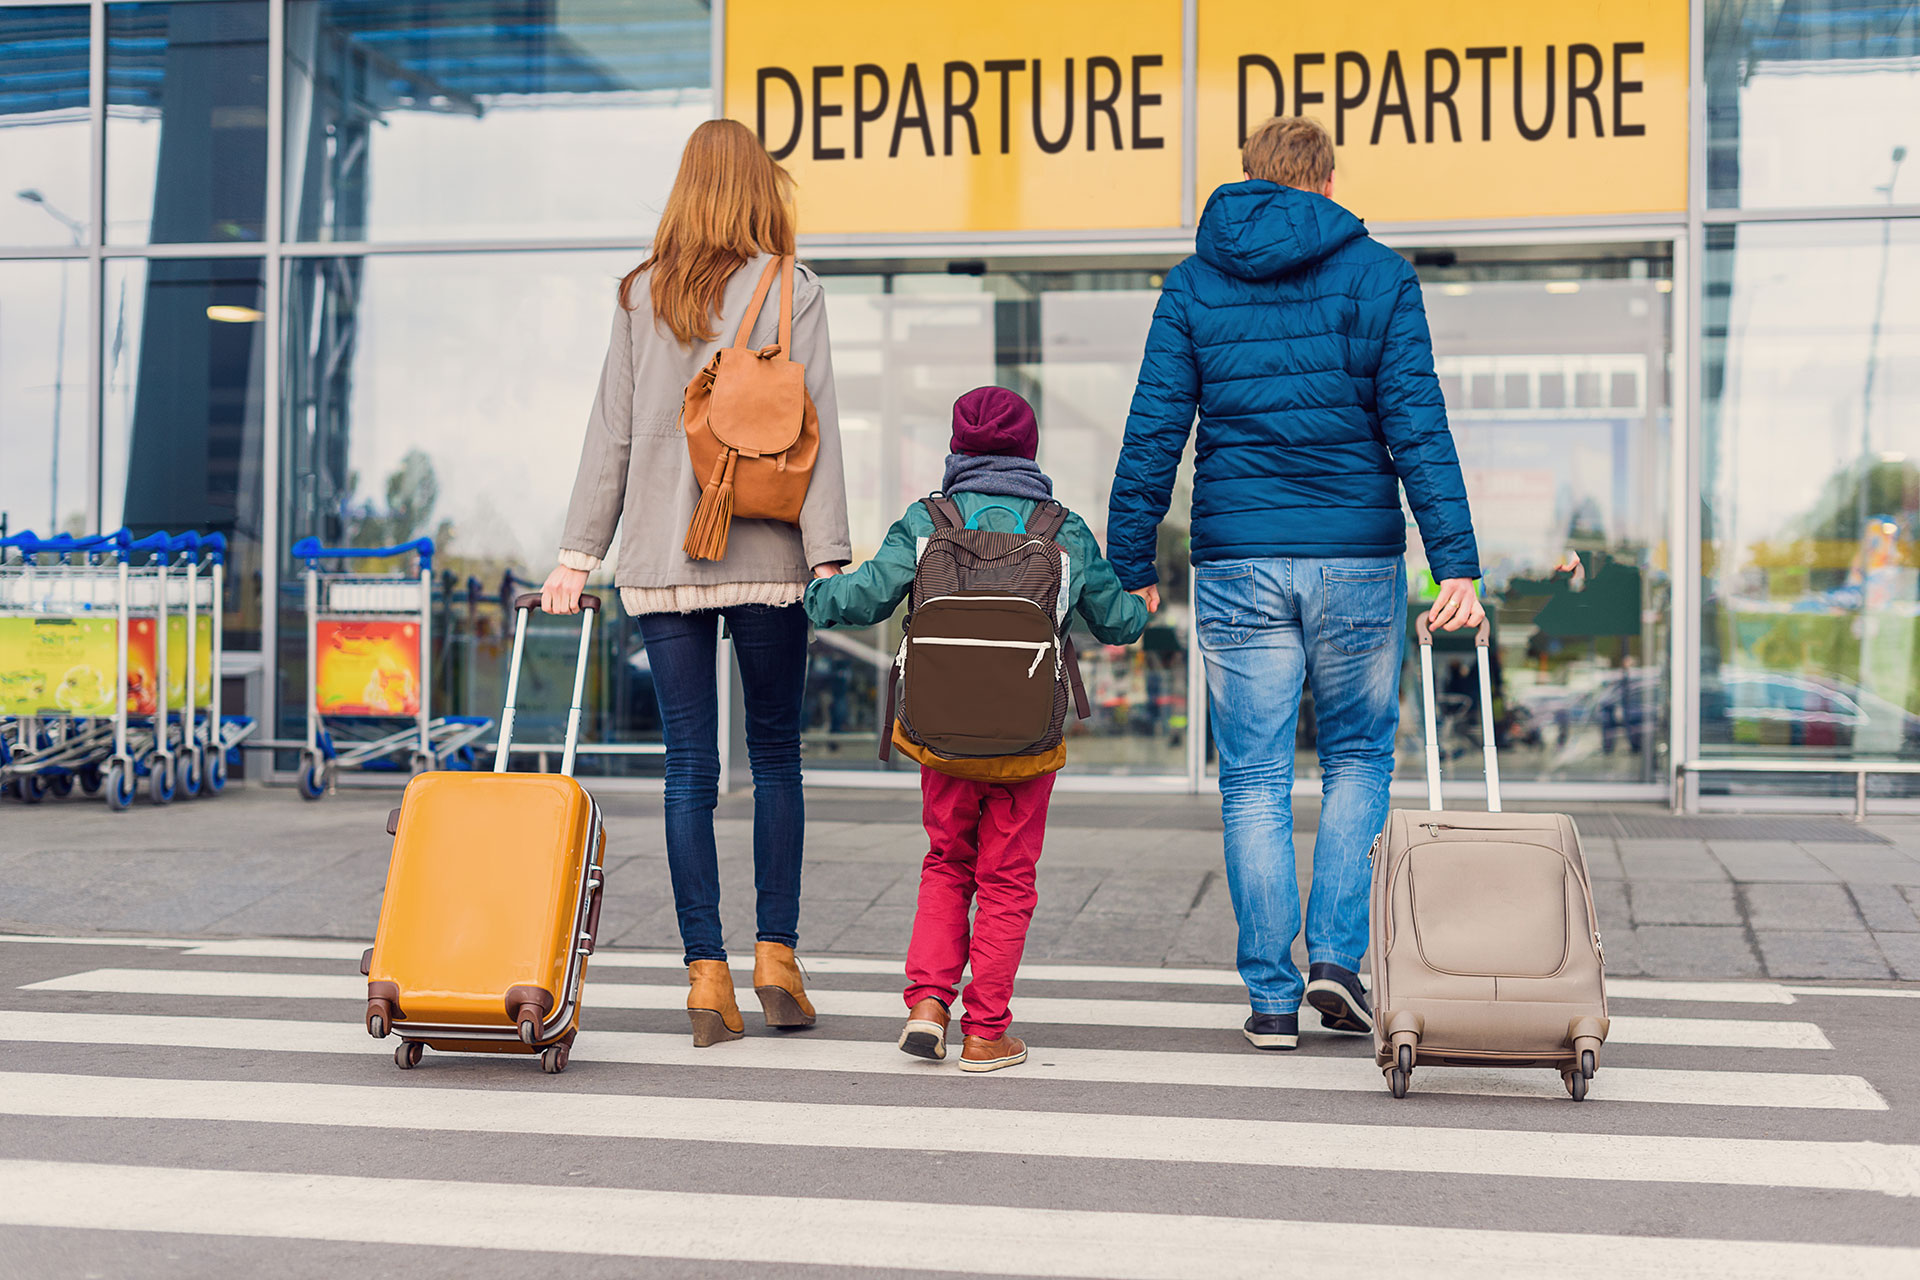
<point>1039,647</point>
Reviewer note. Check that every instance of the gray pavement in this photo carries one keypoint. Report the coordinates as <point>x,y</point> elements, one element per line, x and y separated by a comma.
<point>1125,880</point>
<point>185,1090</point>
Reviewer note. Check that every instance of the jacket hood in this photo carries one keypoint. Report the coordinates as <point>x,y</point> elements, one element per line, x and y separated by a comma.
<point>1258,230</point>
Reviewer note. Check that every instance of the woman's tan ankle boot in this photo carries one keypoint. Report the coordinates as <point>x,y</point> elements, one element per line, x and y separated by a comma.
<point>776,980</point>
<point>710,1005</point>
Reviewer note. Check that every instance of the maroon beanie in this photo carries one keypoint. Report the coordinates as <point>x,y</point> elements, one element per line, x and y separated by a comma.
<point>990,420</point>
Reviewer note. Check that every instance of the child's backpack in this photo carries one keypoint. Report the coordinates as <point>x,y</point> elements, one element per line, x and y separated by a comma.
<point>979,689</point>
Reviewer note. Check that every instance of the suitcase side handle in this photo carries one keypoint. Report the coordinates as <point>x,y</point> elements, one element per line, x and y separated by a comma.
<point>523,606</point>
<point>1481,647</point>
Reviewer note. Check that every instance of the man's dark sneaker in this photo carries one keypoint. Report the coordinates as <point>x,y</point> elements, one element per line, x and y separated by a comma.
<point>1337,994</point>
<point>1272,1030</point>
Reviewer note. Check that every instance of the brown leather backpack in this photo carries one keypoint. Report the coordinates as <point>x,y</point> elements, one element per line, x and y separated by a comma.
<point>751,428</point>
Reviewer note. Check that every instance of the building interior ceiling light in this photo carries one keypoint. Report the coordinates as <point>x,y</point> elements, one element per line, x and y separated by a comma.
<point>233,315</point>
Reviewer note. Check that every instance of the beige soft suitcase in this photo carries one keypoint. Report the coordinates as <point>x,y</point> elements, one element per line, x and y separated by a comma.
<point>1485,948</point>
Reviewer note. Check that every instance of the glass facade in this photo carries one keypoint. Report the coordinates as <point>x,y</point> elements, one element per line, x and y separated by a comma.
<point>343,268</point>
<point>1810,611</point>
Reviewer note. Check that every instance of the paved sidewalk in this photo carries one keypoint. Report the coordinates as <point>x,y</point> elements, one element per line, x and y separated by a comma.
<point>1126,880</point>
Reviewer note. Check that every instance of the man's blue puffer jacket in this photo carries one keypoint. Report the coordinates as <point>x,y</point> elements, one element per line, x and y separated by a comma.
<point>1303,344</point>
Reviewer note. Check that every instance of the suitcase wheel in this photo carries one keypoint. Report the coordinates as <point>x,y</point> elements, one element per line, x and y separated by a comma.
<point>407,1054</point>
<point>1587,1063</point>
<point>379,1017</point>
<point>1397,1080</point>
<point>554,1060</point>
<point>1576,1085</point>
<point>529,1026</point>
<point>1405,1058</point>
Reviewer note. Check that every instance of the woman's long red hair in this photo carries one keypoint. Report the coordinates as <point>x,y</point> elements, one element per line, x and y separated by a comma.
<point>729,202</point>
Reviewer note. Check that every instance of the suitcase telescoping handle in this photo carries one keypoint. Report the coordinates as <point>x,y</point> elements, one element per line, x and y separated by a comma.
<point>1480,638</point>
<point>522,607</point>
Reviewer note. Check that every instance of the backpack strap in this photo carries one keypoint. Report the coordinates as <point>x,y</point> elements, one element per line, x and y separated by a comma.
<point>744,336</point>
<point>1047,520</point>
<point>944,510</point>
<point>1071,657</point>
<point>886,725</point>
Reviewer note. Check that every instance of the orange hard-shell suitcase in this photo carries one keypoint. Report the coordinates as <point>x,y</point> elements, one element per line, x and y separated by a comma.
<point>492,900</point>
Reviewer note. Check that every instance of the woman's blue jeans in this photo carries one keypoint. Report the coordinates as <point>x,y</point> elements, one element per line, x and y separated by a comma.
<point>1267,626</point>
<point>771,646</point>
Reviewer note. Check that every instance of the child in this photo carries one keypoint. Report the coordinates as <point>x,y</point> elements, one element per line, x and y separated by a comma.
<point>984,837</point>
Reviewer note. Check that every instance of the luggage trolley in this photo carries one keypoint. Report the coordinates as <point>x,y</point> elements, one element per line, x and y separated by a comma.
<point>58,641</point>
<point>206,738</point>
<point>370,657</point>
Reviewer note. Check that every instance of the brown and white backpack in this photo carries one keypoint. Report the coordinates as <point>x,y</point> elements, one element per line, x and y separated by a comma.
<point>981,684</point>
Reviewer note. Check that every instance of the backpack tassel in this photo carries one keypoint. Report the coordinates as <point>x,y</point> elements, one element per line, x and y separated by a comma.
<point>707,534</point>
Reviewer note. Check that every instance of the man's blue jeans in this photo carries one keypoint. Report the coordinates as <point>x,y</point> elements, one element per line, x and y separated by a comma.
<point>1266,627</point>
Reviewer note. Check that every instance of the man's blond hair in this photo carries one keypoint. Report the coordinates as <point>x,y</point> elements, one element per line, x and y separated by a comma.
<point>1291,150</point>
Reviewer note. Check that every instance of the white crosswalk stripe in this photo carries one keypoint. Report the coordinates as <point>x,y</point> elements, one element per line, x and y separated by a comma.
<point>856,1233</point>
<point>1790,1089</point>
<point>1831,1166</point>
<point>222,984</point>
<point>159,1044</point>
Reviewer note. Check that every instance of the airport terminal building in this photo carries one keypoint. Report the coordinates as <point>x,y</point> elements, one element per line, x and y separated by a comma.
<point>345,269</point>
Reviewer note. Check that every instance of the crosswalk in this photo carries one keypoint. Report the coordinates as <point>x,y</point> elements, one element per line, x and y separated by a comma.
<point>199,1091</point>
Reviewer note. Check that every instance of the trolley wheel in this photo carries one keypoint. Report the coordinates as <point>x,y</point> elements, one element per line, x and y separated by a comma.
<point>33,788</point>
<point>1587,1064</point>
<point>191,773</point>
<point>1405,1058</point>
<point>90,781</point>
<point>62,785</point>
<point>160,781</point>
<point>313,776</point>
<point>1397,1080</point>
<point>407,1054</point>
<point>119,785</point>
<point>554,1060</point>
<point>216,780</point>
<point>529,1031</point>
<point>1577,1086</point>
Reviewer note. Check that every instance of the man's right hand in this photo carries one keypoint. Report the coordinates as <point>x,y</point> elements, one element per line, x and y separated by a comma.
<point>1151,594</point>
<point>560,593</point>
<point>1458,605</point>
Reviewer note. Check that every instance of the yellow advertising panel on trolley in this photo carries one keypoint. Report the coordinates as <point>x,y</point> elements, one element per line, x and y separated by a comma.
<point>988,115</point>
<point>1458,111</point>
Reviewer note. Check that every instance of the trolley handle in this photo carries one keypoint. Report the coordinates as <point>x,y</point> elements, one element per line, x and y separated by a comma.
<point>523,607</point>
<point>1424,634</point>
<point>531,600</point>
<point>310,550</point>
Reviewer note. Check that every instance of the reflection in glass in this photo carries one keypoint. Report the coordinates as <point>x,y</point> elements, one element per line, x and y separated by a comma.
<point>445,395</point>
<point>43,125</point>
<point>186,122</point>
<point>1810,625</point>
<point>184,369</point>
<point>413,120</point>
<point>45,479</point>
<point>905,347</point>
<point>1557,398</point>
<point>1812,103</point>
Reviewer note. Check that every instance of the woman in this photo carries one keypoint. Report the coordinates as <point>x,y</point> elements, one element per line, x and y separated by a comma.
<point>729,212</point>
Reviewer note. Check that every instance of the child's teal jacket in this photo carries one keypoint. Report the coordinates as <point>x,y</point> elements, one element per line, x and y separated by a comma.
<point>867,596</point>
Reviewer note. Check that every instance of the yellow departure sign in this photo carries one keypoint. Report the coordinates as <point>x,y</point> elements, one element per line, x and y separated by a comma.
<point>1455,111</point>
<point>965,115</point>
<point>955,116</point>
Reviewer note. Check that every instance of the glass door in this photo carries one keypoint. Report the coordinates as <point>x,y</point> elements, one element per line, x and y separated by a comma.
<point>1555,365</point>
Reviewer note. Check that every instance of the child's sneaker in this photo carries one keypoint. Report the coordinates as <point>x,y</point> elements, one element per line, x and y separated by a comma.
<point>981,1054</point>
<point>926,1031</point>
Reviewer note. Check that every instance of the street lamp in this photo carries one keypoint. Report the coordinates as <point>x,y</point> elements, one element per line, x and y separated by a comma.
<point>78,230</point>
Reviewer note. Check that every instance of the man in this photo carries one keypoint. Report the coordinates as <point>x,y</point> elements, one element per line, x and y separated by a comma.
<point>1303,345</point>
